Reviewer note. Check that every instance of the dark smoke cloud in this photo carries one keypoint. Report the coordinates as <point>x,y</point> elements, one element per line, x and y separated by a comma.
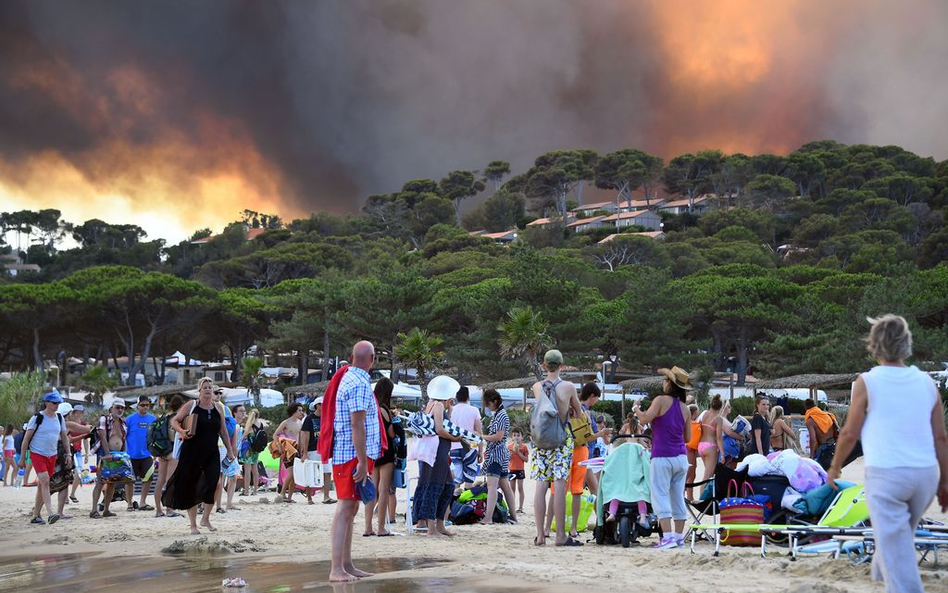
<point>344,99</point>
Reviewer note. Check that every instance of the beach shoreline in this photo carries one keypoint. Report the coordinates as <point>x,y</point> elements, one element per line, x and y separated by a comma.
<point>280,532</point>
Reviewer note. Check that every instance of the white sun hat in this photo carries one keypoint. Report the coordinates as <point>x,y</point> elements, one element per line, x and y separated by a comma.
<point>443,388</point>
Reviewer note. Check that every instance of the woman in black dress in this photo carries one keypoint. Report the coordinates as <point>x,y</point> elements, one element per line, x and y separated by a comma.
<point>199,466</point>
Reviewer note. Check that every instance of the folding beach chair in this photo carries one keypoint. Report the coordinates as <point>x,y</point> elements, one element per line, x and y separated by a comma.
<point>703,508</point>
<point>848,514</point>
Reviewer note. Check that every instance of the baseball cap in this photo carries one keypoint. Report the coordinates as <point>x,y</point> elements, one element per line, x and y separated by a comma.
<point>53,397</point>
<point>315,402</point>
<point>78,408</point>
<point>117,402</point>
<point>65,408</point>
<point>553,356</point>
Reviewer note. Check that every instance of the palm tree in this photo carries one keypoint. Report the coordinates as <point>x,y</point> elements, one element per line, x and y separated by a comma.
<point>250,376</point>
<point>421,350</point>
<point>523,335</point>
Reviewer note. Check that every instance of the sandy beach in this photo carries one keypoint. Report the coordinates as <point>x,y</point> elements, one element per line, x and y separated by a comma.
<point>265,531</point>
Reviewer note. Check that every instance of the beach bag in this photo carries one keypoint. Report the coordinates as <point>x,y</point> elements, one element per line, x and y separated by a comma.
<point>463,513</point>
<point>587,508</point>
<point>159,443</point>
<point>231,423</point>
<point>117,469</point>
<point>582,430</point>
<point>258,441</point>
<point>741,510</point>
<point>546,429</point>
<point>695,436</point>
<point>307,474</point>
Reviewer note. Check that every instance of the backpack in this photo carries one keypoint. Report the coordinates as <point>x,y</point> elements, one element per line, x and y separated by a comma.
<point>159,443</point>
<point>258,441</point>
<point>39,420</point>
<point>546,429</point>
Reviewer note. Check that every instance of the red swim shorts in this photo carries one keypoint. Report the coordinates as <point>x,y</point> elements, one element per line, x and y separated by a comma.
<point>342,476</point>
<point>43,464</point>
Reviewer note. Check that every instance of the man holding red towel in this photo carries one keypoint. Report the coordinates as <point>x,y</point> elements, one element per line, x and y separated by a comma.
<point>356,441</point>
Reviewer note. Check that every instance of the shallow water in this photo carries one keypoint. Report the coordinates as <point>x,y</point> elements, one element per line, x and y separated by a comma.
<point>77,573</point>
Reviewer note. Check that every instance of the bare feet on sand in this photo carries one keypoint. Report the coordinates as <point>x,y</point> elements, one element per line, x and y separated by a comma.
<point>208,526</point>
<point>357,573</point>
<point>341,576</point>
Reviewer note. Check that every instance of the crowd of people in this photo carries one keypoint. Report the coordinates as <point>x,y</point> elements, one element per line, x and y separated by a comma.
<point>355,434</point>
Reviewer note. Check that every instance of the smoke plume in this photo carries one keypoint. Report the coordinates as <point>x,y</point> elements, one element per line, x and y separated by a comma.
<point>184,113</point>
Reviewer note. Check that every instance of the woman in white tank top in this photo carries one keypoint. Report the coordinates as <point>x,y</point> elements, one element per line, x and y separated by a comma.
<point>896,411</point>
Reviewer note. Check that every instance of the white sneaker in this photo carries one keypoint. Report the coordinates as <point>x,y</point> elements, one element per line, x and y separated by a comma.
<point>668,542</point>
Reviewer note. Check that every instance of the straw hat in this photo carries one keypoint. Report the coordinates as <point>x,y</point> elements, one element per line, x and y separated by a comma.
<point>443,388</point>
<point>678,376</point>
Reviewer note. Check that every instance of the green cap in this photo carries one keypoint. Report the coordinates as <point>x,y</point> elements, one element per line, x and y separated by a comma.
<point>553,356</point>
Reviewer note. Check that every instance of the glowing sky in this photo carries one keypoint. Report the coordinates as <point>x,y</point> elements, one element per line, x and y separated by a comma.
<point>179,115</point>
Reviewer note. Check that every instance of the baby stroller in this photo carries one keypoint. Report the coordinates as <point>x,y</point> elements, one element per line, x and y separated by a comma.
<point>625,478</point>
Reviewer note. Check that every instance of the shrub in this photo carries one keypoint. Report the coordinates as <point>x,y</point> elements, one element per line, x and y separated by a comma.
<point>19,396</point>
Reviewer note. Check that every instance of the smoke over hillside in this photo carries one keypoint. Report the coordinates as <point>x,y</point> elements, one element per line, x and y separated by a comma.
<point>193,111</point>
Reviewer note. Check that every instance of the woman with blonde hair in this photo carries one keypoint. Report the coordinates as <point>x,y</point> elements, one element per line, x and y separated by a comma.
<point>782,436</point>
<point>897,412</point>
<point>195,478</point>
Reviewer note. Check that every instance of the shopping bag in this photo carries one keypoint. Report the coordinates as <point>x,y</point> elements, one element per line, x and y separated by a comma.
<point>308,474</point>
<point>741,510</point>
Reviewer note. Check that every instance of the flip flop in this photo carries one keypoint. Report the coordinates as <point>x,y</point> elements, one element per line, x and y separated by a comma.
<point>159,515</point>
<point>38,521</point>
<point>147,507</point>
<point>368,534</point>
<point>53,518</point>
<point>330,501</point>
<point>570,543</point>
<point>536,540</point>
<point>109,514</point>
<point>74,499</point>
<point>173,515</point>
<point>386,534</point>
<point>95,515</point>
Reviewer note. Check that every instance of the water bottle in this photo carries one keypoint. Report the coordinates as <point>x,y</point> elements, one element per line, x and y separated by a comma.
<point>19,478</point>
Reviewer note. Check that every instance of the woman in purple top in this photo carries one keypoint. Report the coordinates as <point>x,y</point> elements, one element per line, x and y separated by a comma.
<point>670,421</point>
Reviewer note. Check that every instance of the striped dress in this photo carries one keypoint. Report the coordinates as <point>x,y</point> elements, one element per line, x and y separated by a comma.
<point>496,451</point>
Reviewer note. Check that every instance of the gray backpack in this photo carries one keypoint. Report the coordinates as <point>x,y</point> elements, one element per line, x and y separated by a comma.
<point>546,429</point>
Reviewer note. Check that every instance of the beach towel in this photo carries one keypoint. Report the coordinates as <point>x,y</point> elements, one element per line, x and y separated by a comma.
<point>804,473</point>
<point>327,436</point>
<point>424,449</point>
<point>823,420</point>
<point>423,425</point>
<point>757,465</point>
<point>288,447</point>
<point>625,475</point>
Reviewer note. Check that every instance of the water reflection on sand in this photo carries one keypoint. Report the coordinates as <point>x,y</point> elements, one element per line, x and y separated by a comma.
<point>78,573</point>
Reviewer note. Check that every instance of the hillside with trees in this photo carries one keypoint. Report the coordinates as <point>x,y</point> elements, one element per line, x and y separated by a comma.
<point>775,272</point>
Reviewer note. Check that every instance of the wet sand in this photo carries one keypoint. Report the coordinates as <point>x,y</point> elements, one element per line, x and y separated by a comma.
<point>115,574</point>
<point>294,539</point>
